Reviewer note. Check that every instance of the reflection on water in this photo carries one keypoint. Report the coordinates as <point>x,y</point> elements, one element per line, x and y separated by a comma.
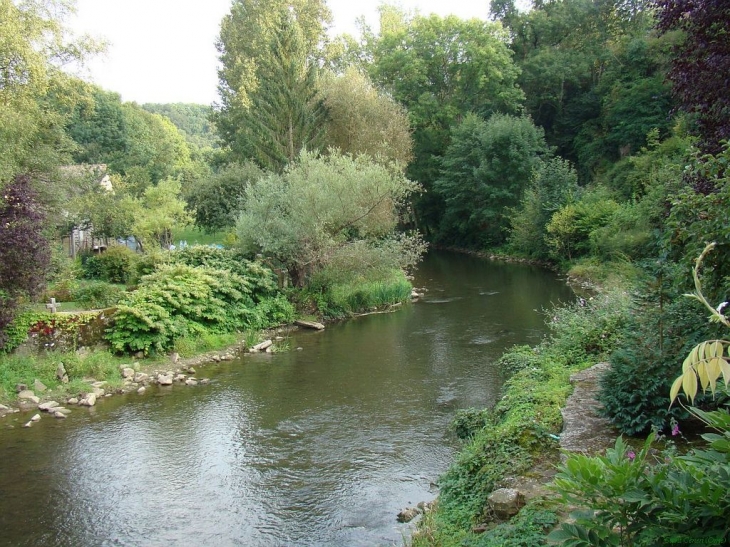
<point>317,447</point>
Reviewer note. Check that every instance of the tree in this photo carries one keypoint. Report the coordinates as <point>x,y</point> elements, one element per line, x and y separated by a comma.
<point>320,206</point>
<point>441,69</point>
<point>269,52</point>
<point>32,47</point>
<point>24,251</point>
<point>217,200</point>
<point>160,210</point>
<point>484,172</point>
<point>701,63</point>
<point>363,120</point>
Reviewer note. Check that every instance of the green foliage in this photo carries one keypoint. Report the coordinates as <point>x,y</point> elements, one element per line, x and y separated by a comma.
<point>96,294</point>
<point>192,120</point>
<point>528,529</point>
<point>485,171</point>
<point>632,498</point>
<point>363,294</point>
<point>518,358</point>
<point>200,342</point>
<point>319,208</point>
<point>118,264</point>
<point>217,199</point>
<point>469,421</point>
<point>554,184</point>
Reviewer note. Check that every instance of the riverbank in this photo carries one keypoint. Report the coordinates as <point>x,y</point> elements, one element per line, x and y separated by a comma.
<point>517,442</point>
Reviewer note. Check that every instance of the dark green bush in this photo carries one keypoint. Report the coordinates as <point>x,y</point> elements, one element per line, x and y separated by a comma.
<point>518,358</point>
<point>118,264</point>
<point>469,421</point>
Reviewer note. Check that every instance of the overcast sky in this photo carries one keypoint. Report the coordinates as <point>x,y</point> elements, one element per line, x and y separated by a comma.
<point>163,51</point>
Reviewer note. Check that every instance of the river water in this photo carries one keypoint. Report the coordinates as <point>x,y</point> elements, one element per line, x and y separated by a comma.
<point>321,446</point>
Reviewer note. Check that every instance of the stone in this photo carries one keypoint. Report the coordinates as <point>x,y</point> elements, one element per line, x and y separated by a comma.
<point>27,424</point>
<point>227,357</point>
<point>141,378</point>
<point>98,384</point>
<point>191,382</point>
<point>20,387</point>
<point>3,407</point>
<point>98,392</point>
<point>309,324</point>
<point>141,390</point>
<point>407,514</point>
<point>73,401</point>
<point>62,410</point>
<point>279,338</point>
<point>36,418</point>
<point>40,387</point>
<point>89,400</point>
<point>164,380</point>
<point>61,372</point>
<point>205,381</point>
<point>191,370</point>
<point>217,358</point>
<point>415,295</point>
<point>26,394</point>
<point>300,348</point>
<point>174,357</point>
<point>50,405</point>
<point>128,372</point>
<point>59,415</point>
<point>180,378</point>
<point>139,355</point>
<point>506,502</point>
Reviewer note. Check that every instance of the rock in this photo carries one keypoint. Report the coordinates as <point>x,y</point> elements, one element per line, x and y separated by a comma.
<point>309,324</point>
<point>180,378</point>
<point>73,401</point>
<point>61,372</point>
<point>89,400</point>
<point>263,345</point>
<point>59,415</point>
<point>20,387</point>
<point>141,390</point>
<point>217,358</point>
<point>62,410</point>
<point>425,506</point>
<point>3,407</point>
<point>174,357</point>
<point>407,514</point>
<point>27,424</point>
<point>190,370</point>
<point>279,338</point>
<point>98,392</point>
<point>26,394</point>
<point>139,355</point>
<point>415,295</point>
<point>300,348</point>
<point>164,380</point>
<point>227,357</point>
<point>253,350</point>
<point>36,418</point>
<point>141,378</point>
<point>50,405</point>
<point>98,384</point>
<point>269,350</point>
<point>191,382</point>
<point>506,502</point>
<point>127,372</point>
<point>204,381</point>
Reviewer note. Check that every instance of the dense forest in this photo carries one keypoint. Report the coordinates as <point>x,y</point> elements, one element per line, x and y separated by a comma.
<point>588,135</point>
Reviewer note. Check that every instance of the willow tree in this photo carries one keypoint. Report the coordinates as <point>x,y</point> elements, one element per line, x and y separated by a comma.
<point>270,53</point>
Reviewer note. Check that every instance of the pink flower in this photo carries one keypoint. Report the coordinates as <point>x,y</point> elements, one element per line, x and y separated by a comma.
<point>675,430</point>
<point>631,455</point>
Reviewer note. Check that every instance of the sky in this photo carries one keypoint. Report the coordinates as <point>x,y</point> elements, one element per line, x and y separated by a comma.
<point>163,51</point>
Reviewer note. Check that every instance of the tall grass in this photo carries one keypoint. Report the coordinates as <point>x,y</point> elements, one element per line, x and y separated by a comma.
<point>359,296</point>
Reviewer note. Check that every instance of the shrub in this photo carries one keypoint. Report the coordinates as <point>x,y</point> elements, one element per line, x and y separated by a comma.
<point>516,359</point>
<point>177,300</point>
<point>118,264</point>
<point>96,294</point>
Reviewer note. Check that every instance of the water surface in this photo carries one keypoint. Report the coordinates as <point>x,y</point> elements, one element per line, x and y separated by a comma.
<point>321,446</point>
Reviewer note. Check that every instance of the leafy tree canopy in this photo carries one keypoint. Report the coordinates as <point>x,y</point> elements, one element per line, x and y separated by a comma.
<point>320,206</point>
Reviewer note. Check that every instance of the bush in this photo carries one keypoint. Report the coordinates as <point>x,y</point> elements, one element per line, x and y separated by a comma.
<point>96,294</point>
<point>518,358</point>
<point>118,264</point>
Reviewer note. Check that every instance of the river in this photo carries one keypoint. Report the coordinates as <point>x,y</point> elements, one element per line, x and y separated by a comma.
<point>321,446</point>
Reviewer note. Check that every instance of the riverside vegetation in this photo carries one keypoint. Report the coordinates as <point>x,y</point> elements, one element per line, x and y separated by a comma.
<point>592,135</point>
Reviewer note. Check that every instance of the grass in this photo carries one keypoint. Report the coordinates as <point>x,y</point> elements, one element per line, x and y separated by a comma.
<point>358,296</point>
<point>195,236</point>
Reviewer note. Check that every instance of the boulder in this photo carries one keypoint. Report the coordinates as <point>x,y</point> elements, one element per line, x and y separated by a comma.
<point>61,372</point>
<point>20,387</point>
<point>36,418</point>
<point>191,382</point>
<point>141,378</point>
<point>506,502</point>
<point>49,406</point>
<point>263,345</point>
<point>141,390</point>
<point>89,400</point>
<point>73,401</point>
<point>204,381</point>
<point>98,392</point>
<point>26,394</point>
<point>39,386</point>
<point>59,415</point>
<point>407,514</point>
<point>190,370</point>
<point>174,357</point>
<point>127,372</point>
<point>180,378</point>
<point>164,379</point>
